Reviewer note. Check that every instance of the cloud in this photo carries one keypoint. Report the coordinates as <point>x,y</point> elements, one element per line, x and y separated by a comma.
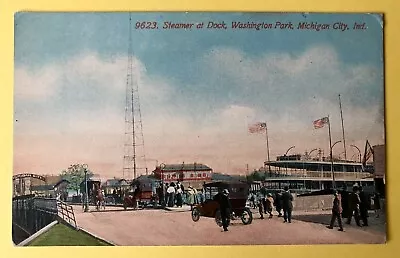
<point>81,89</point>
<point>76,112</point>
<point>83,71</point>
<point>267,68</point>
<point>276,82</point>
<point>35,85</point>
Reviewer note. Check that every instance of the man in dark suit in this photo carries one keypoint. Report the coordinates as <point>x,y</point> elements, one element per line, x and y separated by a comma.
<point>336,211</point>
<point>260,204</point>
<point>287,205</point>
<point>354,206</point>
<point>225,207</point>
<point>278,203</point>
<point>364,205</point>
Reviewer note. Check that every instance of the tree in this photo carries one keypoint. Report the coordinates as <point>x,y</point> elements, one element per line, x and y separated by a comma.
<point>75,174</point>
<point>256,176</point>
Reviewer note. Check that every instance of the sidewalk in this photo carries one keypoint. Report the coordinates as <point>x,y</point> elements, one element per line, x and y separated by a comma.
<point>324,217</point>
<point>162,227</point>
<point>114,208</point>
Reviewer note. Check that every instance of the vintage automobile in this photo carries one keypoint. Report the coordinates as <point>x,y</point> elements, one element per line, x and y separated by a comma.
<point>141,194</point>
<point>238,192</point>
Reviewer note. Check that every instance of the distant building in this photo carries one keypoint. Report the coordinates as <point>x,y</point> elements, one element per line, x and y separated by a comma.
<point>50,180</point>
<point>379,156</point>
<point>27,183</point>
<point>51,190</point>
<point>194,174</point>
<point>114,185</point>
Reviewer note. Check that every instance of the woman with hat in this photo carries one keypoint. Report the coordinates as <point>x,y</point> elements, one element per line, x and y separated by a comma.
<point>270,204</point>
<point>190,199</point>
<point>260,204</point>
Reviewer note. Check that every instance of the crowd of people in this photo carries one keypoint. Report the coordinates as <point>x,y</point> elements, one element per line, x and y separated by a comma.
<point>265,204</point>
<point>282,201</point>
<point>357,205</point>
<point>175,195</point>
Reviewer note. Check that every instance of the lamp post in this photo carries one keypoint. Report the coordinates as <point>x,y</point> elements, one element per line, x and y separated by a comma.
<point>333,145</point>
<point>286,155</point>
<point>289,149</point>
<point>309,154</point>
<point>85,167</point>
<point>162,166</point>
<point>359,152</point>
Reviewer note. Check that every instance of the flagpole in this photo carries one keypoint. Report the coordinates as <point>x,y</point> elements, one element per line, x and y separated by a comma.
<point>341,117</point>
<point>266,136</point>
<point>330,153</point>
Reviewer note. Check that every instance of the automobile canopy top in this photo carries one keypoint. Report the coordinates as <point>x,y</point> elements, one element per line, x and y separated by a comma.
<point>145,183</point>
<point>237,189</point>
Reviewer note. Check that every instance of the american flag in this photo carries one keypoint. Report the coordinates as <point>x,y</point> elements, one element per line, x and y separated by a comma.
<point>320,122</point>
<point>257,127</point>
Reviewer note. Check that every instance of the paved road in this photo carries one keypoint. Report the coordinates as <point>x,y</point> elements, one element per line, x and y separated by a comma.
<point>160,227</point>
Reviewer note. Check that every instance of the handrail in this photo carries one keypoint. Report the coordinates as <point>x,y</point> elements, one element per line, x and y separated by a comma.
<point>322,174</point>
<point>66,212</point>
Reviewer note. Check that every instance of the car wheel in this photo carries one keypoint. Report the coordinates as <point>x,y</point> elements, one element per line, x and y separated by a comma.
<point>247,216</point>
<point>195,214</point>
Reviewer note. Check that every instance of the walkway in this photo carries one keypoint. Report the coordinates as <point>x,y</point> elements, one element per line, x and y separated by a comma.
<point>161,227</point>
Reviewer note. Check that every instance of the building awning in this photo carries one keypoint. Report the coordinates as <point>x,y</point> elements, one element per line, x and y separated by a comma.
<point>61,182</point>
<point>41,188</point>
<point>144,180</point>
<point>114,183</point>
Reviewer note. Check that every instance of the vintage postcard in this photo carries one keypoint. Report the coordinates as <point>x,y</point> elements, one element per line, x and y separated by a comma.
<point>166,129</point>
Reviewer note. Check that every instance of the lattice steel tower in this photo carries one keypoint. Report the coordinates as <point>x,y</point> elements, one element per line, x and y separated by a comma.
<point>134,151</point>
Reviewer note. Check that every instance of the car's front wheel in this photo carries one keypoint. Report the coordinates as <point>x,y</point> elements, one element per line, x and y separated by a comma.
<point>195,214</point>
<point>247,216</point>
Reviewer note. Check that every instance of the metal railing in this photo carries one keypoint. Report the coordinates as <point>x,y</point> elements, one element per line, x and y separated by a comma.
<point>32,213</point>
<point>322,174</point>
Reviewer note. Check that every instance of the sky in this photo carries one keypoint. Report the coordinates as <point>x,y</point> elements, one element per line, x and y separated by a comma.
<point>199,89</point>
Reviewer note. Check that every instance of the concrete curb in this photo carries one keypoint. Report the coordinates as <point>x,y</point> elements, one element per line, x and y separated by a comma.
<point>108,204</point>
<point>41,231</point>
<point>97,237</point>
<point>183,209</point>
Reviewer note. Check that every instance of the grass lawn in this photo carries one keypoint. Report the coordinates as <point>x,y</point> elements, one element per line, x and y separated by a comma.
<point>62,235</point>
